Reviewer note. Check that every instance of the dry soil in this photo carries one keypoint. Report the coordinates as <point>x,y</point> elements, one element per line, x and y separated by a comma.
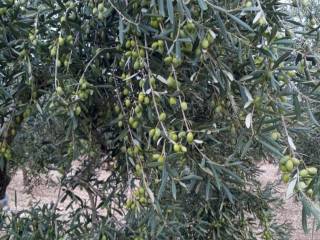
<point>291,211</point>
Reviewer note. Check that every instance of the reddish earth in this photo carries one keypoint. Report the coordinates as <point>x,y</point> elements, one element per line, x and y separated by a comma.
<point>44,193</point>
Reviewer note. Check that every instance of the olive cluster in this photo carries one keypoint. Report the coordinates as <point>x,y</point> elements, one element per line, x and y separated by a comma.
<point>287,165</point>
<point>5,151</point>
<point>306,176</point>
<point>139,198</point>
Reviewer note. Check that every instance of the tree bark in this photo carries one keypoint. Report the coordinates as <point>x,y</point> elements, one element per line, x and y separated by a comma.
<point>4,181</point>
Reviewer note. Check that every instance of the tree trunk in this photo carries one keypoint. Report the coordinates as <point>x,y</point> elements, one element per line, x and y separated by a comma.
<point>4,181</point>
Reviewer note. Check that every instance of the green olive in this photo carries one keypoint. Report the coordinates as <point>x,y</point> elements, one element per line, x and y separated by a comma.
<point>171,82</point>
<point>312,170</point>
<point>176,148</point>
<point>162,116</point>
<point>172,101</point>
<point>205,43</point>
<point>184,106</point>
<point>61,41</point>
<point>59,91</point>
<point>304,173</point>
<point>289,165</point>
<point>190,137</point>
<point>285,177</point>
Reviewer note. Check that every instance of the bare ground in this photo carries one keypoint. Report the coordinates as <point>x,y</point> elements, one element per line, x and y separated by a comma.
<point>291,212</point>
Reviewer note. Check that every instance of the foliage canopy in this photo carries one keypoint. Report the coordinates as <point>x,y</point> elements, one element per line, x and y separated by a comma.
<point>174,101</point>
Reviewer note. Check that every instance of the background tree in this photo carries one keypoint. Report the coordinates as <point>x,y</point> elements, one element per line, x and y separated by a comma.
<point>172,100</point>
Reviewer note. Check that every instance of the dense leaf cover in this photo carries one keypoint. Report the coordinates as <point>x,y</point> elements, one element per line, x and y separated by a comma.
<point>173,101</point>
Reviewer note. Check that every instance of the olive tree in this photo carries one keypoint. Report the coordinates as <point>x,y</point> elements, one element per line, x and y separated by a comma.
<point>174,102</point>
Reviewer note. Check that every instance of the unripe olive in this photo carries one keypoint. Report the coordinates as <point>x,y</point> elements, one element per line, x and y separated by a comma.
<point>2,150</point>
<point>141,190</point>
<point>13,132</point>
<point>168,60</point>
<point>134,54</point>
<point>152,81</point>
<point>66,62</point>
<point>262,21</point>
<point>289,165</point>
<point>312,170</point>
<point>69,39</point>
<point>296,162</point>
<point>138,109</point>
<point>275,135</point>
<point>127,102</point>
<point>125,91</point>
<point>285,177</point>
<point>173,136</point>
<point>176,62</point>
<point>131,120</point>
<point>304,173</point>
<point>283,168</point>
<point>154,45</point>
<point>218,109</point>
<point>139,115</point>
<point>205,43</point>
<point>302,185</point>
<point>32,37</point>
<point>176,148</point>
<point>138,167</point>
<point>292,74</point>
<point>61,41</point>
<point>141,97</point>
<point>78,110</point>
<point>128,44</point>
<point>182,134</point>
<point>157,134</point>
<point>172,101</point>
<point>198,52</point>
<point>136,150</point>
<point>161,159</point>
<point>101,15</point>
<point>183,149</point>
<point>100,7</point>
<point>284,159</point>
<point>58,63</point>
<point>248,4</point>
<point>162,116</point>
<point>190,26</point>
<point>310,192</point>
<point>171,82</point>
<point>152,132</point>
<point>146,100</point>
<point>117,109</point>
<point>135,124</point>
<point>136,65</point>
<point>184,106</point>
<point>59,91</point>
<point>155,156</point>
<point>154,23</point>
<point>8,154</point>
<point>190,137</point>
<point>53,51</point>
